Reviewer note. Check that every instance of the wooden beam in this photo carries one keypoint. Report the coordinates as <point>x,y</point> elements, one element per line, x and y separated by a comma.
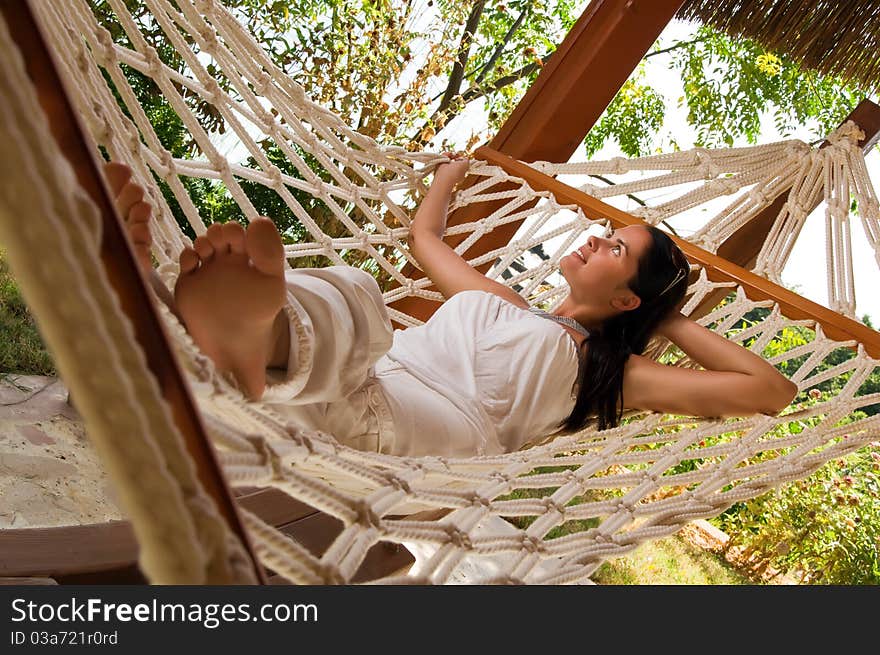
<point>81,552</point>
<point>119,261</point>
<point>567,98</point>
<point>835,326</point>
<point>318,532</point>
<point>585,73</point>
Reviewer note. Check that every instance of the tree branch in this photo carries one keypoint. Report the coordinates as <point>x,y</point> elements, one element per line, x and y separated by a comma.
<point>501,46</point>
<point>479,91</point>
<point>680,44</point>
<point>464,49</point>
<point>484,70</point>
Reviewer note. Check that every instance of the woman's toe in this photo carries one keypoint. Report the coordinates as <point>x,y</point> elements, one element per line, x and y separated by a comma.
<point>117,175</point>
<point>140,213</point>
<point>218,241</point>
<point>264,246</point>
<point>189,261</point>
<point>140,234</point>
<point>204,248</point>
<point>234,234</point>
<point>130,195</point>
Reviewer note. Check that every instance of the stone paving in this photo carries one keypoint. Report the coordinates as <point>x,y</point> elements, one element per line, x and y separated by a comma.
<point>49,473</point>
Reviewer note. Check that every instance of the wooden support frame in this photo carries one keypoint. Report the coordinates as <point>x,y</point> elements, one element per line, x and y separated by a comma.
<point>718,269</point>
<point>594,60</point>
<point>106,553</point>
<point>119,262</point>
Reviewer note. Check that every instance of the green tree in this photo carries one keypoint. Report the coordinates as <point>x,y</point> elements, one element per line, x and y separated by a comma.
<point>402,70</point>
<point>728,84</point>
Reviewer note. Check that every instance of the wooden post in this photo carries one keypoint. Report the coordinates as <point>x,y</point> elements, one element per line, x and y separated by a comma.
<point>119,261</point>
<point>569,95</point>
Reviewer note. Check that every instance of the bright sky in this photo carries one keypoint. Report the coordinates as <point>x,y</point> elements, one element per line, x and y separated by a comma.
<point>803,272</point>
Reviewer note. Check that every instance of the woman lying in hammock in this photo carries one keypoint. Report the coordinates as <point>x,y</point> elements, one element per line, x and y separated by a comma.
<point>485,374</point>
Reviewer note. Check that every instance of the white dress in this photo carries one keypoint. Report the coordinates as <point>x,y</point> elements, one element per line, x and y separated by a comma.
<point>481,376</point>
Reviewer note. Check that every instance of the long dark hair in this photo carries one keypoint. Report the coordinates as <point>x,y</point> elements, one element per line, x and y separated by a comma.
<point>660,282</point>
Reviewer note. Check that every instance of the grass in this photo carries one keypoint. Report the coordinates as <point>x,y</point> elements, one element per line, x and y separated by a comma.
<point>22,349</point>
<point>668,561</point>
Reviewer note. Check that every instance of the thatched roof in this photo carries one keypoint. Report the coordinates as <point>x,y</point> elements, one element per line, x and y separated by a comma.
<point>836,37</point>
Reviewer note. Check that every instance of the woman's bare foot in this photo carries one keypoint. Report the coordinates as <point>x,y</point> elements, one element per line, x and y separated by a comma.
<point>129,199</point>
<point>230,295</point>
<point>136,213</point>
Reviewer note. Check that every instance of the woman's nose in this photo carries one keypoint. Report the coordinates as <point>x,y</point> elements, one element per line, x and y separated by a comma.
<point>592,243</point>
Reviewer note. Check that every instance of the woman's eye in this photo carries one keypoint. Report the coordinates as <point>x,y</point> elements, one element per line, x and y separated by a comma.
<point>617,249</point>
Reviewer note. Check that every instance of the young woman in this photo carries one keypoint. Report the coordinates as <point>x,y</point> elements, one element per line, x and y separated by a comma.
<point>485,374</point>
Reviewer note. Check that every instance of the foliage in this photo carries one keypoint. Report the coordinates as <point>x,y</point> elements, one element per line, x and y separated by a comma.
<point>21,349</point>
<point>633,118</point>
<point>825,529</point>
<point>791,337</point>
<point>729,83</point>
<point>727,86</point>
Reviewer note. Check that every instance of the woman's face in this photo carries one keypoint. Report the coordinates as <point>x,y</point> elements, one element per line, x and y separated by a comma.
<point>599,271</point>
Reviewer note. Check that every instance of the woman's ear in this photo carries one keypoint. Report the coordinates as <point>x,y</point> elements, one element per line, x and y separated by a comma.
<point>626,302</point>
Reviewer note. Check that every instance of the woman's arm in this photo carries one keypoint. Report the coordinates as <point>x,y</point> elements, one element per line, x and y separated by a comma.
<point>736,381</point>
<point>449,272</point>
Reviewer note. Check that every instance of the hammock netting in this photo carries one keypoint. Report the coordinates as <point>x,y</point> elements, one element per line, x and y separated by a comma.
<point>550,513</point>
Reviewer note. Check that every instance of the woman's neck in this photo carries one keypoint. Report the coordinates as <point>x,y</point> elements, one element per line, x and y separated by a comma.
<point>591,318</point>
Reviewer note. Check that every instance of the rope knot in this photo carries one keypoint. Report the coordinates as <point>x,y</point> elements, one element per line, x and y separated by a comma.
<point>458,538</point>
<point>532,544</point>
<point>847,135</point>
<point>263,83</point>
<point>367,517</point>
<point>167,161</point>
<point>154,62</point>
<point>480,501</point>
<point>274,174</point>
<point>107,54</point>
<point>205,7</point>
<point>551,505</point>
<point>619,165</point>
<point>103,128</point>
<point>209,36</point>
<point>700,156</point>
<point>398,483</point>
<point>213,90</point>
<point>758,196</point>
<point>710,171</point>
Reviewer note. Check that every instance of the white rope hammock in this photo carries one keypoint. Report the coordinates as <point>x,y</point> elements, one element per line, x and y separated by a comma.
<point>549,514</point>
